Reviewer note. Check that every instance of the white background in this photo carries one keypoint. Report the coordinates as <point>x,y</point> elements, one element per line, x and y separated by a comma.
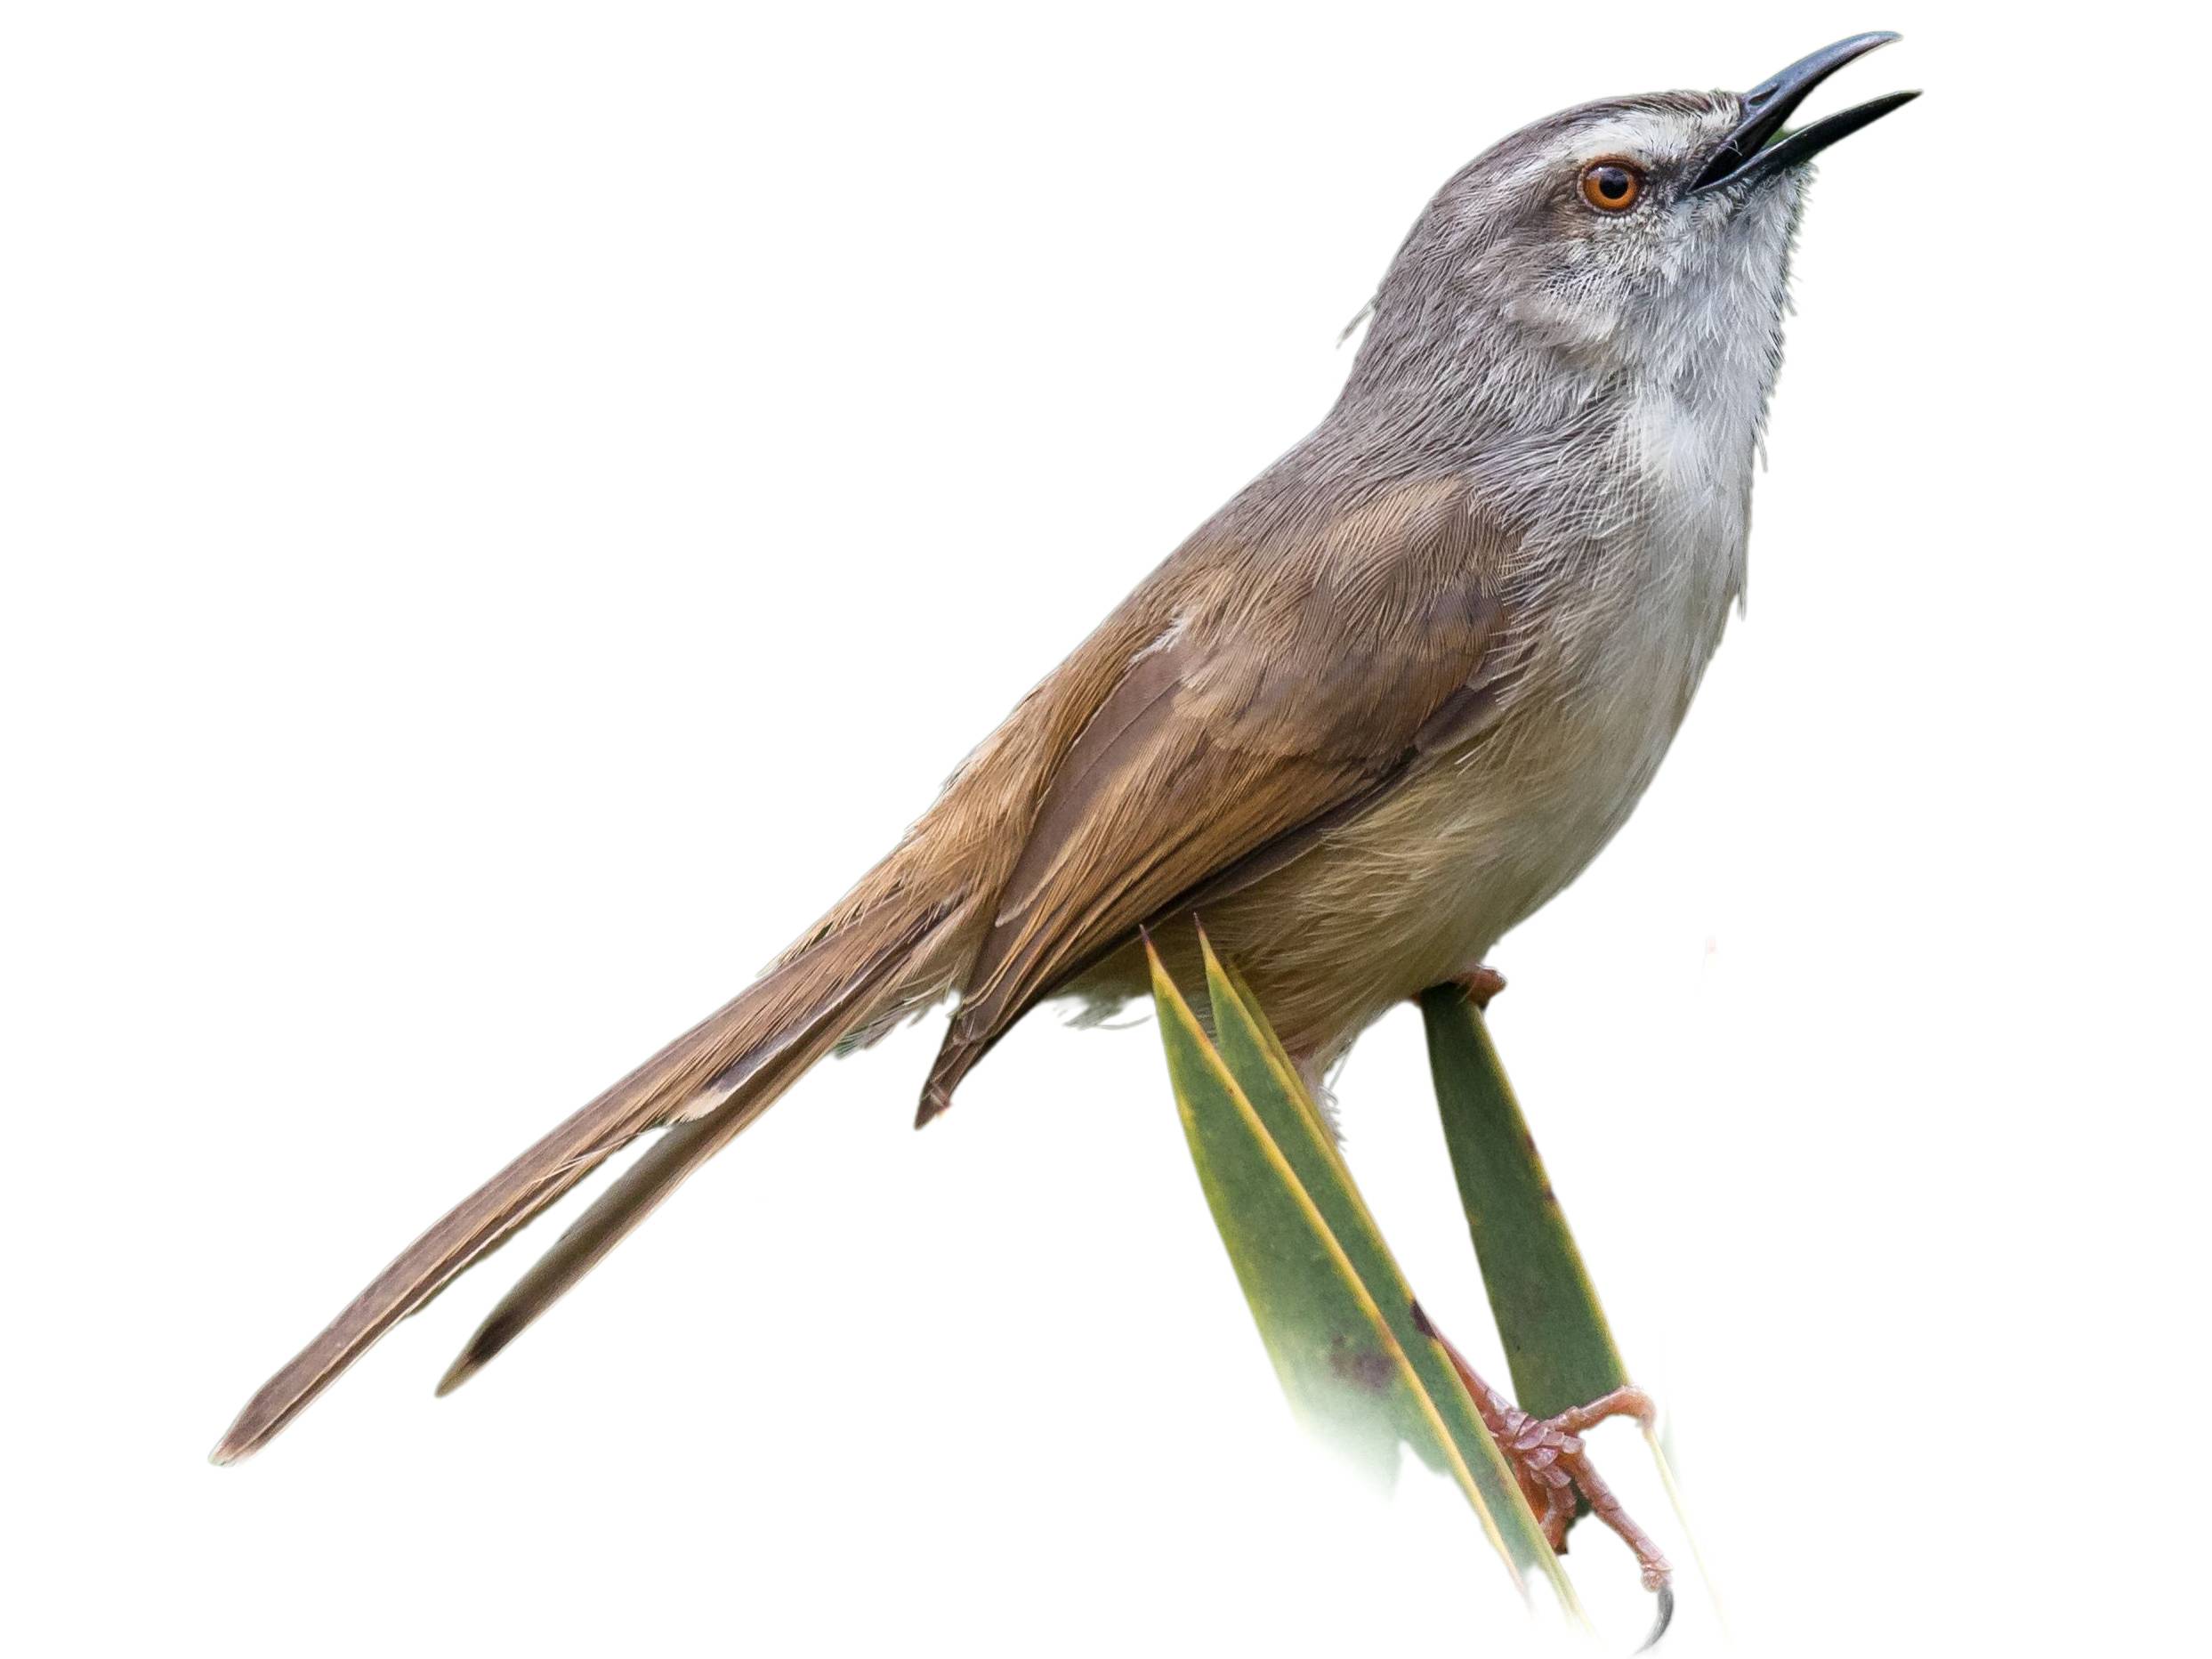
<point>507,510</point>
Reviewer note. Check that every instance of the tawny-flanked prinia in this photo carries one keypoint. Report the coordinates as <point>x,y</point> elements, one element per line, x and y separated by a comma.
<point>1381,706</point>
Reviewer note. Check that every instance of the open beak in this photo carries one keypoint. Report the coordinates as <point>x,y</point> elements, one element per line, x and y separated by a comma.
<point>1745,155</point>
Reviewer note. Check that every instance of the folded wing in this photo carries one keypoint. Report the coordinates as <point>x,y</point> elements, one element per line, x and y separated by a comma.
<point>1297,683</point>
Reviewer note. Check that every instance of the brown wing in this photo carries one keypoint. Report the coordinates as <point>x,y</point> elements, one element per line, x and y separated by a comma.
<point>1298,681</point>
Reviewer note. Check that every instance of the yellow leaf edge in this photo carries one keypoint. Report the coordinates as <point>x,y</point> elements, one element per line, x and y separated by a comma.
<point>1171,1005</point>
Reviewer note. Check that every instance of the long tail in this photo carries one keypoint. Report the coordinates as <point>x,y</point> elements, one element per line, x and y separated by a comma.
<point>664,1168</point>
<point>710,1083</point>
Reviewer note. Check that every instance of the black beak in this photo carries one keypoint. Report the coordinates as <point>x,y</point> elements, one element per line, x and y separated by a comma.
<point>1740,158</point>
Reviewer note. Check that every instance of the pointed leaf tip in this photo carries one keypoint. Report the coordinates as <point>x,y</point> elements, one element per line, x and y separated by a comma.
<point>1333,1307</point>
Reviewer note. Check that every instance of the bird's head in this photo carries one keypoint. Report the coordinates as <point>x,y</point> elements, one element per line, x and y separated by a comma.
<point>1635,239</point>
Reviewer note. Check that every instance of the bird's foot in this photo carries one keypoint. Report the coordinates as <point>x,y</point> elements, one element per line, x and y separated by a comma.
<point>1547,1457</point>
<point>1480,983</point>
<point>1550,1461</point>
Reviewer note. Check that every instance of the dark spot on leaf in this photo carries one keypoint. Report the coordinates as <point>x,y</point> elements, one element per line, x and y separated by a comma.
<point>1361,1366</point>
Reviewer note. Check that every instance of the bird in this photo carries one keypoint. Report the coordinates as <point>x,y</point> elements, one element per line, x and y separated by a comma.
<point>1378,709</point>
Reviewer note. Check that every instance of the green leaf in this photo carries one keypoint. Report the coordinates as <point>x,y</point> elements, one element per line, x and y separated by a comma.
<point>1332,1308</point>
<point>1557,1343</point>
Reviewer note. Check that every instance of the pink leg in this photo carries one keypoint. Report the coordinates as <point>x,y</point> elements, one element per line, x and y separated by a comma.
<point>1607,1509</point>
<point>1480,983</point>
<point>1547,1458</point>
<point>1558,1512</point>
<point>1625,1402</point>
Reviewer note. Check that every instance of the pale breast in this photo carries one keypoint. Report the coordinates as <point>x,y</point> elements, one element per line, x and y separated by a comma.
<point>1423,886</point>
<point>1616,631</point>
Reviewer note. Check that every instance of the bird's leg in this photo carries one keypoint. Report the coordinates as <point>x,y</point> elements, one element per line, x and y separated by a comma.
<point>1558,1512</point>
<point>1547,1458</point>
<point>1480,983</point>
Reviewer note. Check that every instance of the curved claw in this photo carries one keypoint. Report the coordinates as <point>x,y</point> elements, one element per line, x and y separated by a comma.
<point>1665,1593</point>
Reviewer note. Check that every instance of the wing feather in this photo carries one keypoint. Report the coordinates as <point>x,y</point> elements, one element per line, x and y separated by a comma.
<point>1294,687</point>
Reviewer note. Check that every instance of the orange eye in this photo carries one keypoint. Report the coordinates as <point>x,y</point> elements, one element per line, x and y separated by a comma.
<point>1611,186</point>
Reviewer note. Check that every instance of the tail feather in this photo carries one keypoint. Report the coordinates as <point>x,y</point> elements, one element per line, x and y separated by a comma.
<point>666,1166</point>
<point>732,1063</point>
